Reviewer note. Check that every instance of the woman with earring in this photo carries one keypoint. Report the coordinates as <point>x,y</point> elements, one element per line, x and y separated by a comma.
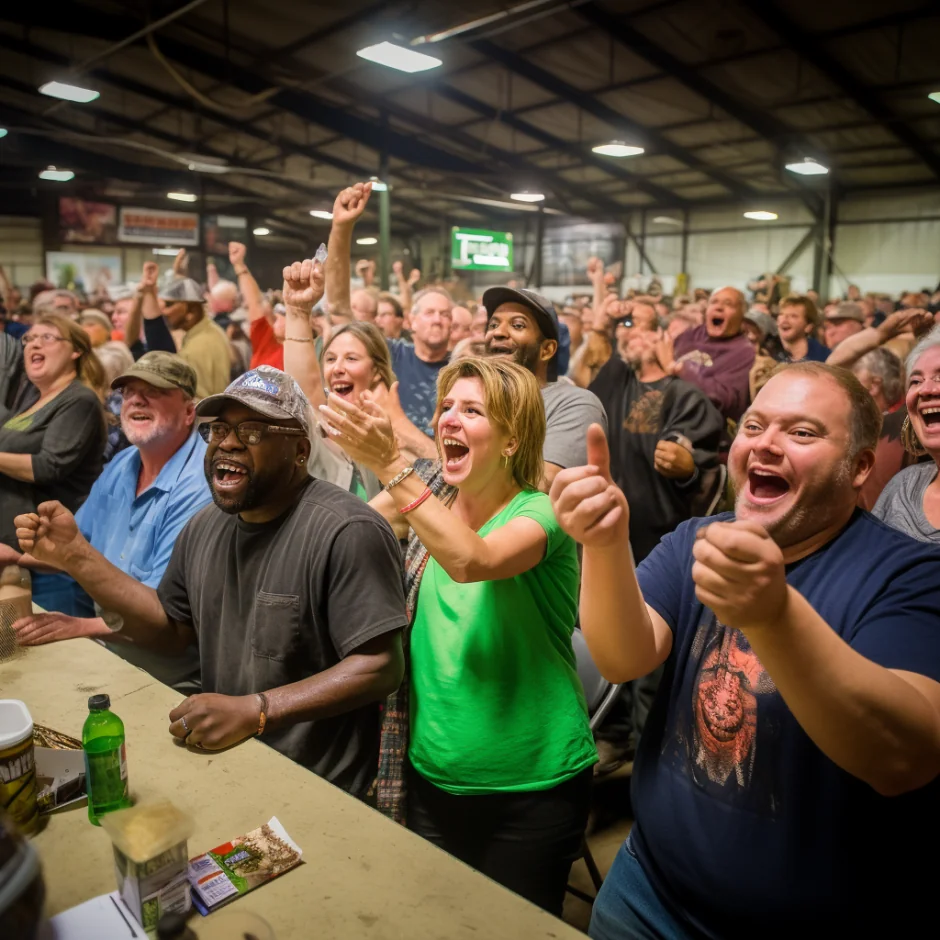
<point>911,500</point>
<point>486,749</point>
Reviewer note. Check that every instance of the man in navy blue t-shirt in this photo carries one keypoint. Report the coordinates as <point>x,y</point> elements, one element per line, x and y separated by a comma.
<point>787,779</point>
<point>416,366</point>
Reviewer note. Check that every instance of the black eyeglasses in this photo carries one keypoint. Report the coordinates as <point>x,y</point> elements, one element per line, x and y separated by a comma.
<point>249,433</point>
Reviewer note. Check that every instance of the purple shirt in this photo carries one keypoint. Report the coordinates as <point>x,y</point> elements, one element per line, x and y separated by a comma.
<point>719,367</point>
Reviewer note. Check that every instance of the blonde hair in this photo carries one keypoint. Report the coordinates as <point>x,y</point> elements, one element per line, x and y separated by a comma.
<point>87,367</point>
<point>376,348</point>
<point>513,402</point>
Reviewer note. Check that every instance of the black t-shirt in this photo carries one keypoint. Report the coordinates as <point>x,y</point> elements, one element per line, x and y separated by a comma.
<point>66,438</point>
<point>277,602</point>
<point>742,822</point>
<point>639,416</point>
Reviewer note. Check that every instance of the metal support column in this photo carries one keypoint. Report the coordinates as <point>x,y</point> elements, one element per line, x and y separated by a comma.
<point>539,241</point>
<point>385,224</point>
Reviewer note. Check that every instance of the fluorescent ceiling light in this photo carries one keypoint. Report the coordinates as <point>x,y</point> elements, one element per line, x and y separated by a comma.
<point>617,148</point>
<point>377,185</point>
<point>321,214</point>
<point>57,176</point>
<point>68,92</point>
<point>527,197</point>
<point>666,220</point>
<point>808,167</point>
<point>399,57</point>
<point>182,197</point>
<point>934,96</point>
<point>761,216</point>
<point>167,252</point>
<point>492,260</point>
<point>3,132</point>
<point>368,240</point>
<point>261,230</point>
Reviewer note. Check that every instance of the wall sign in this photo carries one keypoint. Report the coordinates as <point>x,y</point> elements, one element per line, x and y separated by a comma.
<point>474,249</point>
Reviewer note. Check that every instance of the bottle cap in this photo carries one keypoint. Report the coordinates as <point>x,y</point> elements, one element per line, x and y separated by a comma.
<point>98,703</point>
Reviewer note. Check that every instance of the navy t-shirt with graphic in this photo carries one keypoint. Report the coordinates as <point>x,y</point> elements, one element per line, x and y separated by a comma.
<point>417,383</point>
<point>742,823</point>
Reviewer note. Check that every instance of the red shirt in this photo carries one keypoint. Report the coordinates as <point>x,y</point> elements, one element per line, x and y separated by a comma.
<point>265,349</point>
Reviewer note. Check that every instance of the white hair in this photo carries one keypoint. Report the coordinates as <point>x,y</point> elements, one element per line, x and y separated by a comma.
<point>931,340</point>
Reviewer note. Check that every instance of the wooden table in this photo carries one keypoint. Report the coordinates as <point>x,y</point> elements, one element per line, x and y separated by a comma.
<point>362,875</point>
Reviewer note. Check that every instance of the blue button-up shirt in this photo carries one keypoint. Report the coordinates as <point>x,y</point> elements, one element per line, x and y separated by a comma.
<point>137,533</point>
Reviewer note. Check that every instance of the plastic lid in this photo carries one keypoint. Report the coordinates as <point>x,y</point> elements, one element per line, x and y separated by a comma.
<point>98,703</point>
<point>16,724</point>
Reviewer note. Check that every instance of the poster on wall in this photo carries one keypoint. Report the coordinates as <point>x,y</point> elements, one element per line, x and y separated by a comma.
<point>84,222</point>
<point>475,249</point>
<point>217,232</point>
<point>158,226</point>
<point>83,271</point>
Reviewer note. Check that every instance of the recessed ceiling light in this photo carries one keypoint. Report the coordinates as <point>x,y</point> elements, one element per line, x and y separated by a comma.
<point>527,197</point>
<point>617,148</point>
<point>934,96</point>
<point>321,214</point>
<point>261,230</point>
<point>666,220</point>
<point>399,57</point>
<point>761,216</point>
<point>368,240</point>
<point>167,252</point>
<point>182,197</point>
<point>69,92</point>
<point>808,167</point>
<point>3,132</point>
<point>56,175</point>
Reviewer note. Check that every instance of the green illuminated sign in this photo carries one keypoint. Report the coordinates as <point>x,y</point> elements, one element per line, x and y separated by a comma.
<point>475,249</point>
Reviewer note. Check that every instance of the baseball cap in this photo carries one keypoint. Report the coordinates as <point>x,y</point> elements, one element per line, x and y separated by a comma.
<point>540,307</point>
<point>268,391</point>
<point>161,370</point>
<point>182,290</point>
<point>847,311</point>
<point>763,321</point>
<point>91,315</point>
<point>118,292</point>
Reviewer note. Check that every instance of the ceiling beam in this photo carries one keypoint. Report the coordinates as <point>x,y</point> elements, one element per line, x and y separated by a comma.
<point>814,52</point>
<point>621,124</point>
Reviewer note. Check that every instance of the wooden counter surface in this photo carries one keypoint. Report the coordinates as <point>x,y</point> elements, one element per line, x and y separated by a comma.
<point>362,876</point>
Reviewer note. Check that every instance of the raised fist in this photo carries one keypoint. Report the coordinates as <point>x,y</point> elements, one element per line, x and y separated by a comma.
<point>414,277</point>
<point>181,263</point>
<point>236,253</point>
<point>48,534</point>
<point>595,269</point>
<point>303,285</point>
<point>351,203</point>
<point>148,279</point>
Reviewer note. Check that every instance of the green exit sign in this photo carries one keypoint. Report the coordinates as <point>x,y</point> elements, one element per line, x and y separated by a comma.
<point>475,249</point>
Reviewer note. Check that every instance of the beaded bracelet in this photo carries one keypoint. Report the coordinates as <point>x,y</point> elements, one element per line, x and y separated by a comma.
<point>416,503</point>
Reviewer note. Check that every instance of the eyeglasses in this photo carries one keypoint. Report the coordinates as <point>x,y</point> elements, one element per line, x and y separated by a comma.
<point>44,339</point>
<point>249,433</point>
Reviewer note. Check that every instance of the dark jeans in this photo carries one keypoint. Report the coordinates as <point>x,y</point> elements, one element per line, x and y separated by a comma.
<point>525,841</point>
<point>628,908</point>
<point>58,593</point>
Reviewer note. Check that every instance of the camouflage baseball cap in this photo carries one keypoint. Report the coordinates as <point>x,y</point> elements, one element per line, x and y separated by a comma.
<point>268,391</point>
<point>183,290</point>
<point>161,370</point>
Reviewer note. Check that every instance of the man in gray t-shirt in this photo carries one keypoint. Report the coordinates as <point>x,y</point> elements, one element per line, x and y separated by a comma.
<point>901,504</point>
<point>290,587</point>
<point>524,326</point>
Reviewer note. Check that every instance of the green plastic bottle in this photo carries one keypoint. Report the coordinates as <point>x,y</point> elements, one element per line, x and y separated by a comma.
<point>105,759</point>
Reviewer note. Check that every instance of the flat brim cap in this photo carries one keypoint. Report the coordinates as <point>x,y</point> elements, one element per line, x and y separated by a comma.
<point>847,311</point>
<point>269,391</point>
<point>540,307</point>
<point>161,370</point>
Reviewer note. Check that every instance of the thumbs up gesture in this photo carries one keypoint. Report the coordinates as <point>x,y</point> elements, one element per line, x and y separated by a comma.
<point>589,506</point>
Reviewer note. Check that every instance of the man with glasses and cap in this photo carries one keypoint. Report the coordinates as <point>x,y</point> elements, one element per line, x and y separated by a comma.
<point>138,507</point>
<point>523,325</point>
<point>291,586</point>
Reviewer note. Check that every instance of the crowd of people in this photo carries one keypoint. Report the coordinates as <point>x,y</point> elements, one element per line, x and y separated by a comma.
<point>364,526</point>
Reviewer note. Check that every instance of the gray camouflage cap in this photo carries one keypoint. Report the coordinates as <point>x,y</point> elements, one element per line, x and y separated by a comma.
<point>268,391</point>
<point>162,370</point>
<point>182,290</point>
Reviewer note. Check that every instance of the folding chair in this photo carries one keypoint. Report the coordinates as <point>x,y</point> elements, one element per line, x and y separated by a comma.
<point>600,696</point>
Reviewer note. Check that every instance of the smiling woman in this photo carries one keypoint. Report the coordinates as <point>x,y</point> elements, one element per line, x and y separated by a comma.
<point>53,449</point>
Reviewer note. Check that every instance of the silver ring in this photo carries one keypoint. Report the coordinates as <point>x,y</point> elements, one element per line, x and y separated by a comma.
<point>185,726</point>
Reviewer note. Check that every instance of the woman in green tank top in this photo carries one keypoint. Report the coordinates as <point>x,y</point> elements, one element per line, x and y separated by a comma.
<point>486,750</point>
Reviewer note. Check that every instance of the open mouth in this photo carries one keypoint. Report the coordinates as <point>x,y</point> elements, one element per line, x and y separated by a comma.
<point>139,417</point>
<point>455,453</point>
<point>717,323</point>
<point>765,487</point>
<point>36,359</point>
<point>228,475</point>
<point>931,416</point>
<point>500,349</point>
<point>343,389</point>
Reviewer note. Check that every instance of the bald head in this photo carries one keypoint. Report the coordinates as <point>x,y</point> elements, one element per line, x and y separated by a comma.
<point>725,313</point>
<point>223,298</point>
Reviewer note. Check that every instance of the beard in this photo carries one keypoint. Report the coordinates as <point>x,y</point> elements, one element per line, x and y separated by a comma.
<point>161,428</point>
<point>525,356</point>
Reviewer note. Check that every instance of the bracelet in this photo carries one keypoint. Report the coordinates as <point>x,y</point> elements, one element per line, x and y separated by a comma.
<point>416,503</point>
<point>263,718</point>
<point>244,270</point>
<point>395,480</point>
<point>298,339</point>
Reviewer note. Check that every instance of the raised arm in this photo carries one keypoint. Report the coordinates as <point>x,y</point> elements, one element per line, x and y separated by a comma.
<point>627,639</point>
<point>51,536</point>
<point>303,288</point>
<point>247,284</point>
<point>347,209</point>
<point>850,350</point>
